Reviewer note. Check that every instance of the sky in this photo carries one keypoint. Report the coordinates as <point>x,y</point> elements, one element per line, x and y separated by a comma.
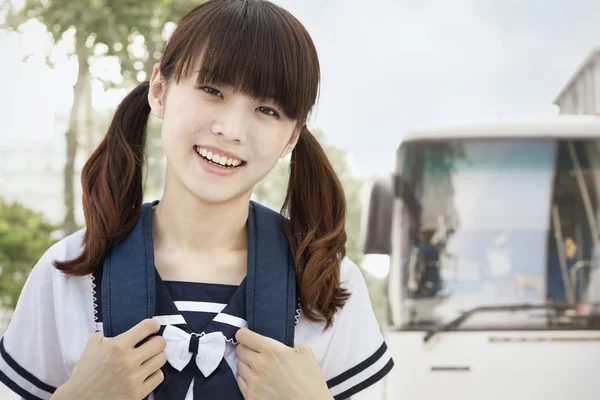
<point>387,66</point>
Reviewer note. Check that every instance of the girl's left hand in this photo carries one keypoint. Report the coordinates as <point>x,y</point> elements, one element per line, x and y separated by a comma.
<point>270,370</point>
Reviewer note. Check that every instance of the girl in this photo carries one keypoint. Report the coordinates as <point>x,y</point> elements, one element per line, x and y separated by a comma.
<point>233,90</point>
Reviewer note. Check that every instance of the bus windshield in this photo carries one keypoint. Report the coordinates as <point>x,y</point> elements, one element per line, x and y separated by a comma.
<point>499,222</point>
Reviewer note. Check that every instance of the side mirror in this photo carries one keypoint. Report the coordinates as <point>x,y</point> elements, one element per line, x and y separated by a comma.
<point>376,227</point>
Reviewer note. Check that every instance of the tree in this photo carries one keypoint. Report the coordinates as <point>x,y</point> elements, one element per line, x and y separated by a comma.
<point>271,192</point>
<point>24,237</point>
<point>155,163</point>
<point>131,31</point>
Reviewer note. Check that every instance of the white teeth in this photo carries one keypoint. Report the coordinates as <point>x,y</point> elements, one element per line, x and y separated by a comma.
<point>217,159</point>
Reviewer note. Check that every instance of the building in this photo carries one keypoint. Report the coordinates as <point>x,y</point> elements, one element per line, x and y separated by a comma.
<point>581,94</point>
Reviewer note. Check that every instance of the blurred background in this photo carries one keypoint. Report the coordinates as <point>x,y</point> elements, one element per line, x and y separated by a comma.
<point>388,66</point>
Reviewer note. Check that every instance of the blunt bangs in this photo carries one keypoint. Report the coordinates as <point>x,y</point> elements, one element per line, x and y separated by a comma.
<point>254,46</point>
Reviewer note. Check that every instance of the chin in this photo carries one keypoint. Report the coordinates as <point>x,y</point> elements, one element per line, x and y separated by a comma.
<point>208,196</point>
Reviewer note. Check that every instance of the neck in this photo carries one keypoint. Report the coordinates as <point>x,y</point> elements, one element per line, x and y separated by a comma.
<point>182,222</point>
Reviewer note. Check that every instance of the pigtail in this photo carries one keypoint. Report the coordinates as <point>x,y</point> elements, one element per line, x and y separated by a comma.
<point>316,207</point>
<point>112,183</point>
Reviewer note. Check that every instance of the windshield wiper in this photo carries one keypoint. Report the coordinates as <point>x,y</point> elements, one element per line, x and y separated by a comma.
<point>516,307</point>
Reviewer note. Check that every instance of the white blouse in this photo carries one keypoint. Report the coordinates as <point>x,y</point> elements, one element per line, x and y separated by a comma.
<point>54,319</point>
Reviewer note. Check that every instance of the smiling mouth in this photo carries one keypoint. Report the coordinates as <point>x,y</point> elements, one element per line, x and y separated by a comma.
<point>219,160</point>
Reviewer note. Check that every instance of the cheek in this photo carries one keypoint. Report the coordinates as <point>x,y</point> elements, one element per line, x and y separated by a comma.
<point>266,157</point>
<point>176,145</point>
<point>184,115</point>
<point>167,140</point>
<point>178,132</point>
<point>271,143</point>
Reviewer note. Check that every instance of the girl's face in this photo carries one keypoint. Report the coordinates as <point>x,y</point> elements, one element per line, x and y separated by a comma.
<point>243,137</point>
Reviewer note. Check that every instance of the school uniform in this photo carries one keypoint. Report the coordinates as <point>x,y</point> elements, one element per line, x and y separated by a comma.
<point>56,314</point>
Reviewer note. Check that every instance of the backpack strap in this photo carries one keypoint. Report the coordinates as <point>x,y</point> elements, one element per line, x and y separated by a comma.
<point>129,277</point>
<point>271,277</point>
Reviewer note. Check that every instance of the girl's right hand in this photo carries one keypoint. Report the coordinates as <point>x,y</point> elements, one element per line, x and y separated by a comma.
<point>113,368</point>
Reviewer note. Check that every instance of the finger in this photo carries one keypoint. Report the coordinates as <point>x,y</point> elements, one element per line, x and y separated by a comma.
<point>244,370</point>
<point>152,382</point>
<point>246,354</point>
<point>243,385</point>
<point>255,341</point>
<point>155,345</point>
<point>153,364</point>
<point>139,332</point>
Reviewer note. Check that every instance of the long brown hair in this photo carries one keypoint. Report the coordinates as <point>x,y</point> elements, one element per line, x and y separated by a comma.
<point>264,52</point>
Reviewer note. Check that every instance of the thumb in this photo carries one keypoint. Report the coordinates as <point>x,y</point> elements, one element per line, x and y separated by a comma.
<point>256,341</point>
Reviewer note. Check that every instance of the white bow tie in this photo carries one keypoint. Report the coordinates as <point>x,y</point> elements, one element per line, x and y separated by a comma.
<point>211,349</point>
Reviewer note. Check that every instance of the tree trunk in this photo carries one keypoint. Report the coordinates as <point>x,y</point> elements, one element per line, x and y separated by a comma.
<point>72,133</point>
<point>89,117</point>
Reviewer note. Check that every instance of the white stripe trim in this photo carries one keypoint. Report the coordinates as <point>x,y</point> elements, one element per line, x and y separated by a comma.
<point>231,320</point>
<point>223,318</point>
<point>363,375</point>
<point>200,306</point>
<point>190,392</point>
<point>169,319</point>
<point>22,382</point>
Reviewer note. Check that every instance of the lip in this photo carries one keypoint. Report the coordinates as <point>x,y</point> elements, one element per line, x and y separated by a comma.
<point>214,169</point>
<point>220,152</point>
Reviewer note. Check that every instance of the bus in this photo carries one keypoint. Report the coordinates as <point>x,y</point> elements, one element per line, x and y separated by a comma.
<point>492,236</point>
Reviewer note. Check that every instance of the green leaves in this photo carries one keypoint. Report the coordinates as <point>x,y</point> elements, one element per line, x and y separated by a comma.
<point>24,238</point>
<point>130,31</point>
<point>271,191</point>
<point>116,24</point>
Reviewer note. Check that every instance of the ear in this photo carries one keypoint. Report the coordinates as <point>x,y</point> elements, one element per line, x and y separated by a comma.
<point>157,93</point>
<point>292,143</point>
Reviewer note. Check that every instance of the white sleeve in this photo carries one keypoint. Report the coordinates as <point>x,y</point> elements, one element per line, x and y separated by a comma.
<point>31,362</point>
<point>357,355</point>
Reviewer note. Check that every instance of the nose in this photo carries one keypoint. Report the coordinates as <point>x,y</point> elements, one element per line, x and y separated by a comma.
<point>232,125</point>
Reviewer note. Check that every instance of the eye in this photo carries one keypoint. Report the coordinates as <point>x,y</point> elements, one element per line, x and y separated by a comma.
<point>268,111</point>
<point>211,90</point>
